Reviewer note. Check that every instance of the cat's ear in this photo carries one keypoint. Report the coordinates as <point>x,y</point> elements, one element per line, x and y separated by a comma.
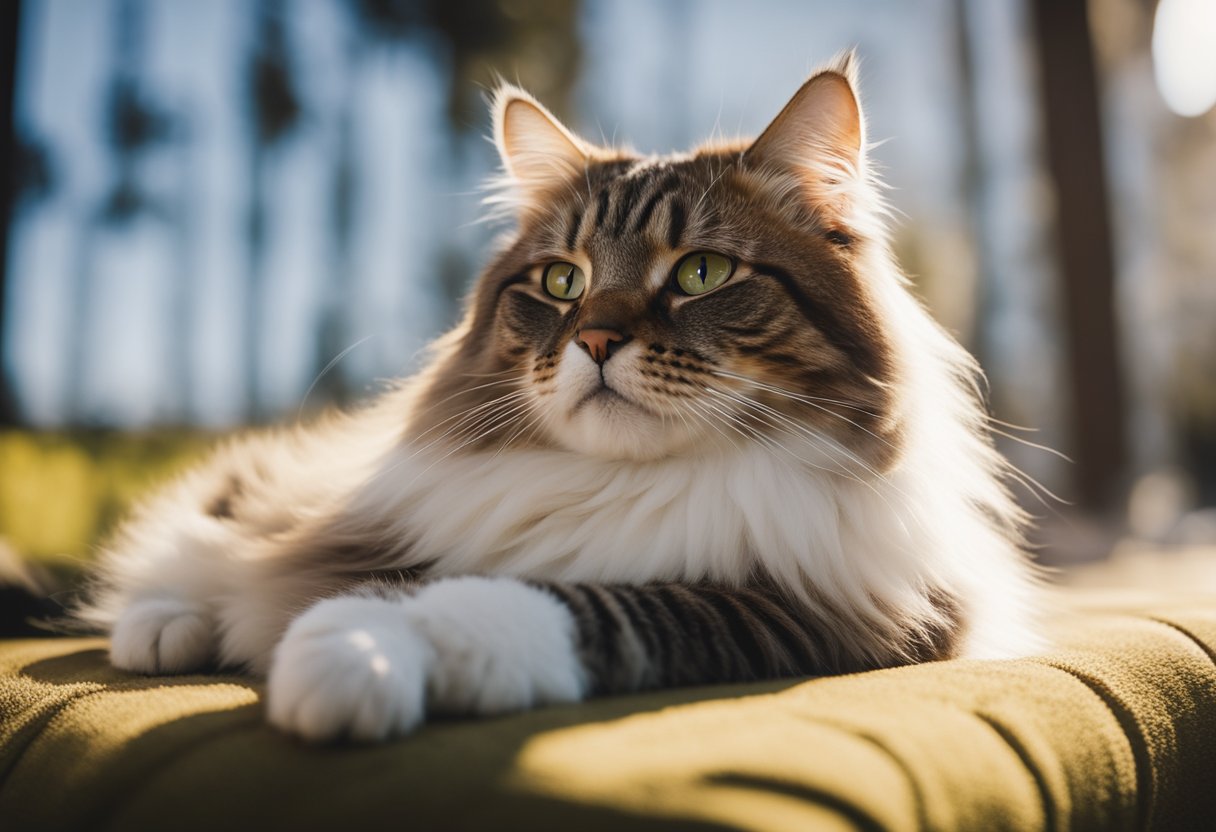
<point>818,137</point>
<point>538,153</point>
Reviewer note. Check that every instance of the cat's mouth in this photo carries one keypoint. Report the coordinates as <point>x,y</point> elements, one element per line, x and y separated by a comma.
<point>604,420</point>
<point>606,396</point>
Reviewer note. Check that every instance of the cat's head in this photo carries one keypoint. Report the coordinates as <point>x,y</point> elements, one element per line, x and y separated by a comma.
<point>648,305</point>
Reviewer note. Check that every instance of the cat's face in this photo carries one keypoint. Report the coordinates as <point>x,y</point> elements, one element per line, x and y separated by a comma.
<point>648,306</point>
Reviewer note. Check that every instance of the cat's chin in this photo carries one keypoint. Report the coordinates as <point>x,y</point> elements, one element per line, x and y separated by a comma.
<point>598,412</point>
<point>607,424</point>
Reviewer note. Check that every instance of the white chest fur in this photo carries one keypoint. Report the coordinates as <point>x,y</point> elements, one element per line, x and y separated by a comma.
<point>558,515</point>
<point>722,516</point>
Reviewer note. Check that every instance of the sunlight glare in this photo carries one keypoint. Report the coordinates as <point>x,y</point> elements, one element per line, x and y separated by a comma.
<point>1184,54</point>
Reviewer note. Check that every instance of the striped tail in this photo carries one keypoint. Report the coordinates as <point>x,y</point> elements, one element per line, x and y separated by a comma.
<point>637,637</point>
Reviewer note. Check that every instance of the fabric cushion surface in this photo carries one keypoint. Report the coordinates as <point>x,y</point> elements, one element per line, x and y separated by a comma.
<point>1113,728</point>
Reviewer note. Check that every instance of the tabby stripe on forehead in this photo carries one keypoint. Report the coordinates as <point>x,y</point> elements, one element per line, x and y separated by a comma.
<point>601,209</point>
<point>576,222</point>
<point>675,223</point>
<point>665,186</point>
<point>628,197</point>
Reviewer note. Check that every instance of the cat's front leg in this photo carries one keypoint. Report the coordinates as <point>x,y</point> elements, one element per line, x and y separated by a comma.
<point>369,668</point>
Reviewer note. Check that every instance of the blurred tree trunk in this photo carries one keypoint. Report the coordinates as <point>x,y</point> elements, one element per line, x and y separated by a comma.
<point>333,326</point>
<point>273,110</point>
<point>1073,135</point>
<point>972,182</point>
<point>10,18</point>
<point>135,124</point>
<point>187,277</point>
<point>255,297</point>
<point>81,301</point>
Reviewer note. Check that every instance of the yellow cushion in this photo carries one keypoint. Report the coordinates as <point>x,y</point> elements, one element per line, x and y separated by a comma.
<point>1114,729</point>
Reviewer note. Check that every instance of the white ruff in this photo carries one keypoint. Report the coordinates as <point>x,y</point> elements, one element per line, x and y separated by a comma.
<point>725,516</point>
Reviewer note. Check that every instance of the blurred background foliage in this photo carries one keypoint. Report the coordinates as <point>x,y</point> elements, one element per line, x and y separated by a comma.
<point>60,492</point>
<point>221,214</point>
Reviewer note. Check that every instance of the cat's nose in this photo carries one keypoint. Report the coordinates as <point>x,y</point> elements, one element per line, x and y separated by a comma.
<point>599,343</point>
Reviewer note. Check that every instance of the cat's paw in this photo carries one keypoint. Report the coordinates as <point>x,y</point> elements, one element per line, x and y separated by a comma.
<point>370,668</point>
<point>349,668</point>
<point>499,645</point>
<point>162,635</point>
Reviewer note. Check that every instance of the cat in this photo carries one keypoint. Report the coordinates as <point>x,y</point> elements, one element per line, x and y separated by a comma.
<point>692,428</point>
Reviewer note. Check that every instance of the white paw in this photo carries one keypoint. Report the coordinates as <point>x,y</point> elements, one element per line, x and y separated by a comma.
<point>162,635</point>
<point>370,668</point>
<point>499,646</point>
<point>349,667</point>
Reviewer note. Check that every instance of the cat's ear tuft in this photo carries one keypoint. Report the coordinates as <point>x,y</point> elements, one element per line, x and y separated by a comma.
<point>538,153</point>
<point>819,136</point>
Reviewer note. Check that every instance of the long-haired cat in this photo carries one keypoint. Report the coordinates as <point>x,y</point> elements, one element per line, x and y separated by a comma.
<point>692,428</point>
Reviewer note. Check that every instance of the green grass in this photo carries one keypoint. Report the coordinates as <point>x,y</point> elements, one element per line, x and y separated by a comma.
<point>62,492</point>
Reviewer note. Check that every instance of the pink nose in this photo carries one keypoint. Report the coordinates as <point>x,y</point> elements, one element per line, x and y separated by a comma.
<point>597,340</point>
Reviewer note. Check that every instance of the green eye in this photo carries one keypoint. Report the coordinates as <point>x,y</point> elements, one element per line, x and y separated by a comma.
<point>702,271</point>
<point>565,281</point>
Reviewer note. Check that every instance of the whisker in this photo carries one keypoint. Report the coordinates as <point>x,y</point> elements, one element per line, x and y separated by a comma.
<point>1034,487</point>
<point>809,434</point>
<point>797,396</point>
<point>508,371</point>
<point>738,425</point>
<point>474,414</point>
<point>502,420</point>
<point>1009,425</point>
<point>742,399</point>
<point>807,401</point>
<point>333,362</point>
<point>1030,444</point>
<point>529,419</point>
<point>541,421</point>
<point>459,393</point>
<point>708,188</point>
<point>830,447</point>
<point>1025,480</point>
<point>679,411</point>
<point>480,429</point>
<point>695,411</point>
<point>773,444</point>
<point>464,413</point>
